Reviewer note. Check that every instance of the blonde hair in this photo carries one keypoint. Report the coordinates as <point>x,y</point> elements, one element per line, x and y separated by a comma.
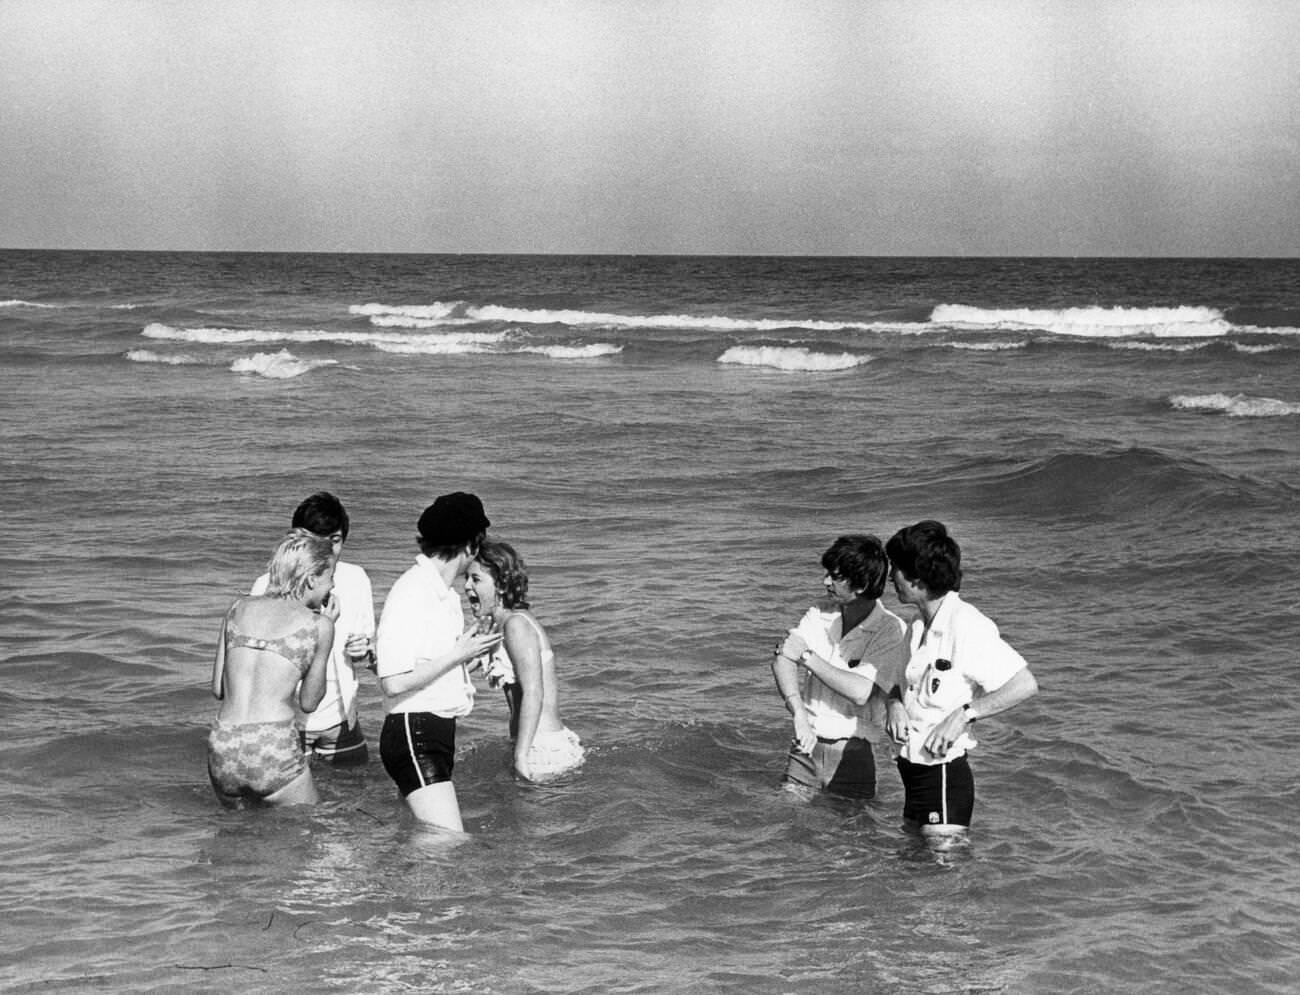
<point>299,559</point>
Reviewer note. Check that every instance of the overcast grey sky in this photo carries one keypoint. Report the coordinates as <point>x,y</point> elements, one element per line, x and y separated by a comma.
<point>865,127</point>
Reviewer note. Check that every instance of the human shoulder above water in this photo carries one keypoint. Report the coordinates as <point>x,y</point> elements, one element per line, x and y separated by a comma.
<point>497,590</point>
<point>271,650</point>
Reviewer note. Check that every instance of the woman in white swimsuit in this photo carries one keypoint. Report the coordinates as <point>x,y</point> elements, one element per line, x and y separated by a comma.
<point>497,589</point>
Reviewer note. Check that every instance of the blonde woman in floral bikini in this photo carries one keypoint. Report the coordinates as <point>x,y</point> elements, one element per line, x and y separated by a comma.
<point>272,649</point>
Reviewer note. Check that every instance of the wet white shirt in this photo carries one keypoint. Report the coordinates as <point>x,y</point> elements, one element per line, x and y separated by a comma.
<point>962,650</point>
<point>423,619</point>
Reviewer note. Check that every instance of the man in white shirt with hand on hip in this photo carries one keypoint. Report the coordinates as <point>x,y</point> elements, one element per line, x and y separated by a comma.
<point>959,670</point>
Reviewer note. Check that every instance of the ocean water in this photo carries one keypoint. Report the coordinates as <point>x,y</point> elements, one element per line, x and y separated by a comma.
<point>671,443</point>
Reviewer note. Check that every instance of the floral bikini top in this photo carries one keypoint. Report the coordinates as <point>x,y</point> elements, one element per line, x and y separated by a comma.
<point>298,647</point>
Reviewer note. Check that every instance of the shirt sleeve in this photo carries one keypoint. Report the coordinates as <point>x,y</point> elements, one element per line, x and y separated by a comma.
<point>886,652</point>
<point>260,585</point>
<point>396,640</point>
<point>366,619</point>
<point>984,656</point>
<point>358,604</point>
<point>813,628</point>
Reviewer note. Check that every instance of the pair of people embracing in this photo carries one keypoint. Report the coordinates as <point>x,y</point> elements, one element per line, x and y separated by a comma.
<point>426,655</point>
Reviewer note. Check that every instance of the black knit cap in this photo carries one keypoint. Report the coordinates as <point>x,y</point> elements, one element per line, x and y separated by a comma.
<point>453,520</point>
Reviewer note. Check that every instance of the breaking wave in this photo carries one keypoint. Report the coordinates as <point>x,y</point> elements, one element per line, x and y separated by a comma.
<point>1234,405</point>
<point>792,358</point>
<point>282,365</point>
<point>148,356</point>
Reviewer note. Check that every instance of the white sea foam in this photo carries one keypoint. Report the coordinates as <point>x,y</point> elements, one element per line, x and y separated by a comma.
<point>426,312</point>
<point>470,343</point>
<point>148,356</point>
<point>1089,322</point>
<point>1256,349</point>
<point>443,313</point>
<point>244,336</point>
<point>988,346</point>
<point>454,344</point>
<point>435,315</point>
<point>1235,405</point>
<point>259,336</point>
<point>407,321</point>
<point>684,322</point>
<point>594,351</point>
<point>792,358</point>
<point>17,303</point>
<point>1156,346</point>
<point>282,365</point>
<point>1270,330</point>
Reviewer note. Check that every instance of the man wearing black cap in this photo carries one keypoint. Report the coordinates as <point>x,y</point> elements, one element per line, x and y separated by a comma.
<point>423,651</point>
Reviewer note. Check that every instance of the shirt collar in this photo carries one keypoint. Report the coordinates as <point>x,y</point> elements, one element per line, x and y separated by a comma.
<point>440,587</point>
<point>943,617</point>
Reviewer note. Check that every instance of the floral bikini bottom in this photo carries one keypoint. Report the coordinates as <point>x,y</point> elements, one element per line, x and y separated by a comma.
<point>249,761</point>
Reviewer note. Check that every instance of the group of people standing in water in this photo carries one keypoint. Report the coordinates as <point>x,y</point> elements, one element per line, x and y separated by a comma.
<point>296,644</point>
<point>289,655</point>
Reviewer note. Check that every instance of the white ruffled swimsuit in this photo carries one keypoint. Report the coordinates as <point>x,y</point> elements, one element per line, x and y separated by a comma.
<point>552,753</point>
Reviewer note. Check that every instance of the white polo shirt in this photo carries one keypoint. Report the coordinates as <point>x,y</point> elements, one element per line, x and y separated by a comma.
<point>423,619</point>
<point>961,650</point>
<point>873,648</point>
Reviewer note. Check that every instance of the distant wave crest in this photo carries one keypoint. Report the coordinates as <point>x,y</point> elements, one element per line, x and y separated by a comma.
<point>593,351</point>
<point>432,311</point>
<point>433,315</point>
<point>244,336</point>
<point>792,358</point>
<point>1256,349</point>
<point>448,344</point>
<point>149,356</point>
<point>282,365</point>
<point>1185,322</point>
<point>1234,405</point>
<point>989,346</point>
<point>1088,322</point>
<point>1157,346</point>
<point>444,343</point>
<point>440,313</point>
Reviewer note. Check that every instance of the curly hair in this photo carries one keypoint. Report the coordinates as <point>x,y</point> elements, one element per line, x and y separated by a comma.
<point>300,557</point>
<point>508,570</point>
